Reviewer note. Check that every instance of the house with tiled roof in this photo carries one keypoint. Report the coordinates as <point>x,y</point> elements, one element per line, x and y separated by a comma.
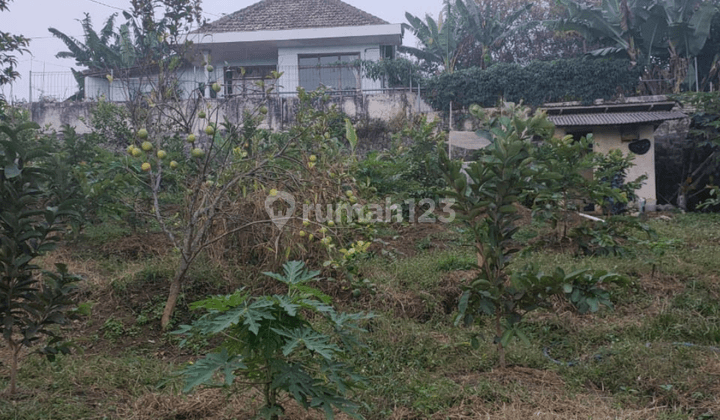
<point>312,43</point>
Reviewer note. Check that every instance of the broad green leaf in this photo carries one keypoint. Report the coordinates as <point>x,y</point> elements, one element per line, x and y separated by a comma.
<point>287,304</point>
<point>351,134</point>
<point>202,371</point>
<point>506,337</point>
<point>11,170</point>
<point>463,303</point>
<point>310,339</point>
<point>521,335</point>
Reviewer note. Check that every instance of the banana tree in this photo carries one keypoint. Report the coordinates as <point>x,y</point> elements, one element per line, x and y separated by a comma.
<point>661,35</point>
<point>487,28</point>
<point>677,29</point>
<point>612,25</point>
<point>441,40</point>
<point>97,50</point>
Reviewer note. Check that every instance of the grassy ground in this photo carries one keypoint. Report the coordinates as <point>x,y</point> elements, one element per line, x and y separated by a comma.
<point>654,356</point>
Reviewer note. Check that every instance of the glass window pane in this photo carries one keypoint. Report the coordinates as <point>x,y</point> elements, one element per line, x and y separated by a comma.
<point>310,78</point>
<point>349,78</point>
<point>308,61</point>
<point>328,60</point>
<point>349,58</point>
<point>330,77</point>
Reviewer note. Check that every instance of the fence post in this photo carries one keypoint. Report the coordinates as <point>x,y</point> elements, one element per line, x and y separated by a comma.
<point>449,130</point>
<point>30,92</point>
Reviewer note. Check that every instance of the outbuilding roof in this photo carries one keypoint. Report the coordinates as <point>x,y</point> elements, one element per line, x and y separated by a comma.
<point>269,15</point>
<point>614,118</point>
<point>634,111</point>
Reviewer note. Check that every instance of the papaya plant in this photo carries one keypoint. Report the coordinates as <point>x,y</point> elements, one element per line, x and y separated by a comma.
<point>29,307</point>
<point>294,344</point>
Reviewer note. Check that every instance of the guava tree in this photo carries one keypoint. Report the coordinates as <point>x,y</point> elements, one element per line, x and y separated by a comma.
<point>9,45</point>
<point>29,307</point>
<point>487,194</point>
<point>222,166</point>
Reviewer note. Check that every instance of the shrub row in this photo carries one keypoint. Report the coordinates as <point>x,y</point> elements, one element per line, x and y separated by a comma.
<point>539,82</point>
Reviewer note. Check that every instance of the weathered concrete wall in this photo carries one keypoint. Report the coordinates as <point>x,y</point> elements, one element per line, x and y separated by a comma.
<point>360,108</point>
<point>56,114</point>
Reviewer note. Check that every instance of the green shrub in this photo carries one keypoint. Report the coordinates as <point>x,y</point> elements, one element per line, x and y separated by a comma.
<point>411,169</point>
<point>539,82</point>
<point>29,307</point>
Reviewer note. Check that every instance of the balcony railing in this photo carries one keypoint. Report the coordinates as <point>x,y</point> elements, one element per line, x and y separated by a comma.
<point>235,82</point>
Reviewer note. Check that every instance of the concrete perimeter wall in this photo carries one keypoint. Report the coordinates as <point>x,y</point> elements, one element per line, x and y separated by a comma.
<point>381,106</point>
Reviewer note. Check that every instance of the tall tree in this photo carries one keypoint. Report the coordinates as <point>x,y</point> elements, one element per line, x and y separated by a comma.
<point>486,28</point>
<point>99,51</point>
<point>10,45</point>
<point>535,42</point>
<point>440,40</point>
<point>663,36</point>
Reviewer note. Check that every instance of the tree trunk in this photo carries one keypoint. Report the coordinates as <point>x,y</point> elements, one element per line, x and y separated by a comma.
<point>174,292</point>
<point>499,334</point>
<point>15,349</point>
<point>682,199</point>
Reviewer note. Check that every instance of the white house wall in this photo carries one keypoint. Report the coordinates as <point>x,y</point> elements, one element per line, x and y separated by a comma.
<point>119,90</point>
<point>288,63</point>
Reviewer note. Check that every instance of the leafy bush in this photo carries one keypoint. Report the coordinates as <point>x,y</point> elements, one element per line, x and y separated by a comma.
<point>411,169</point>
<point>271,341</point>
<point>29,229</point>
<point>399,72</point>
<point>537,83</point>
<point>566,187</point>
<point>609,237</point>
<point>488,193</point>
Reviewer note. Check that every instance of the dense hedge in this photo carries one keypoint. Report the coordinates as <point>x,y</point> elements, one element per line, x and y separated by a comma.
<point>537,83</point>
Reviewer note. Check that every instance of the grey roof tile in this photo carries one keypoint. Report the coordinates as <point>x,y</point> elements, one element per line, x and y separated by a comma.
<point>618,118</point>
<point>268,15</point>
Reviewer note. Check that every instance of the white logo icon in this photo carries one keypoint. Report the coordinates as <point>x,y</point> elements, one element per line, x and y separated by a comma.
<point>280,218</point>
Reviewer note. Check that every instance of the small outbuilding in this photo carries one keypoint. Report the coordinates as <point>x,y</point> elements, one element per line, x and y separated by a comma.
<point>628,125</point>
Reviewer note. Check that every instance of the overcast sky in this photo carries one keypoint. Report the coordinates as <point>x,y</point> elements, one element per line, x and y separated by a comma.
<point>32,18</point>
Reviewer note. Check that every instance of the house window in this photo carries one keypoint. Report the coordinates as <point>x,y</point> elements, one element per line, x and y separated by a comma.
<point>248,80</point>
<point>387,52</point>
<point>335,72</point>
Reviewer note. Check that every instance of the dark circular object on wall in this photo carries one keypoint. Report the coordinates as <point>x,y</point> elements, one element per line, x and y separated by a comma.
<point>639,147</point>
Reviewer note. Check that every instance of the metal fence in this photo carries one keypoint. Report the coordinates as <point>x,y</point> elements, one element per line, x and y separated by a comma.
<point>51,86</point>
<point>235,81</point>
